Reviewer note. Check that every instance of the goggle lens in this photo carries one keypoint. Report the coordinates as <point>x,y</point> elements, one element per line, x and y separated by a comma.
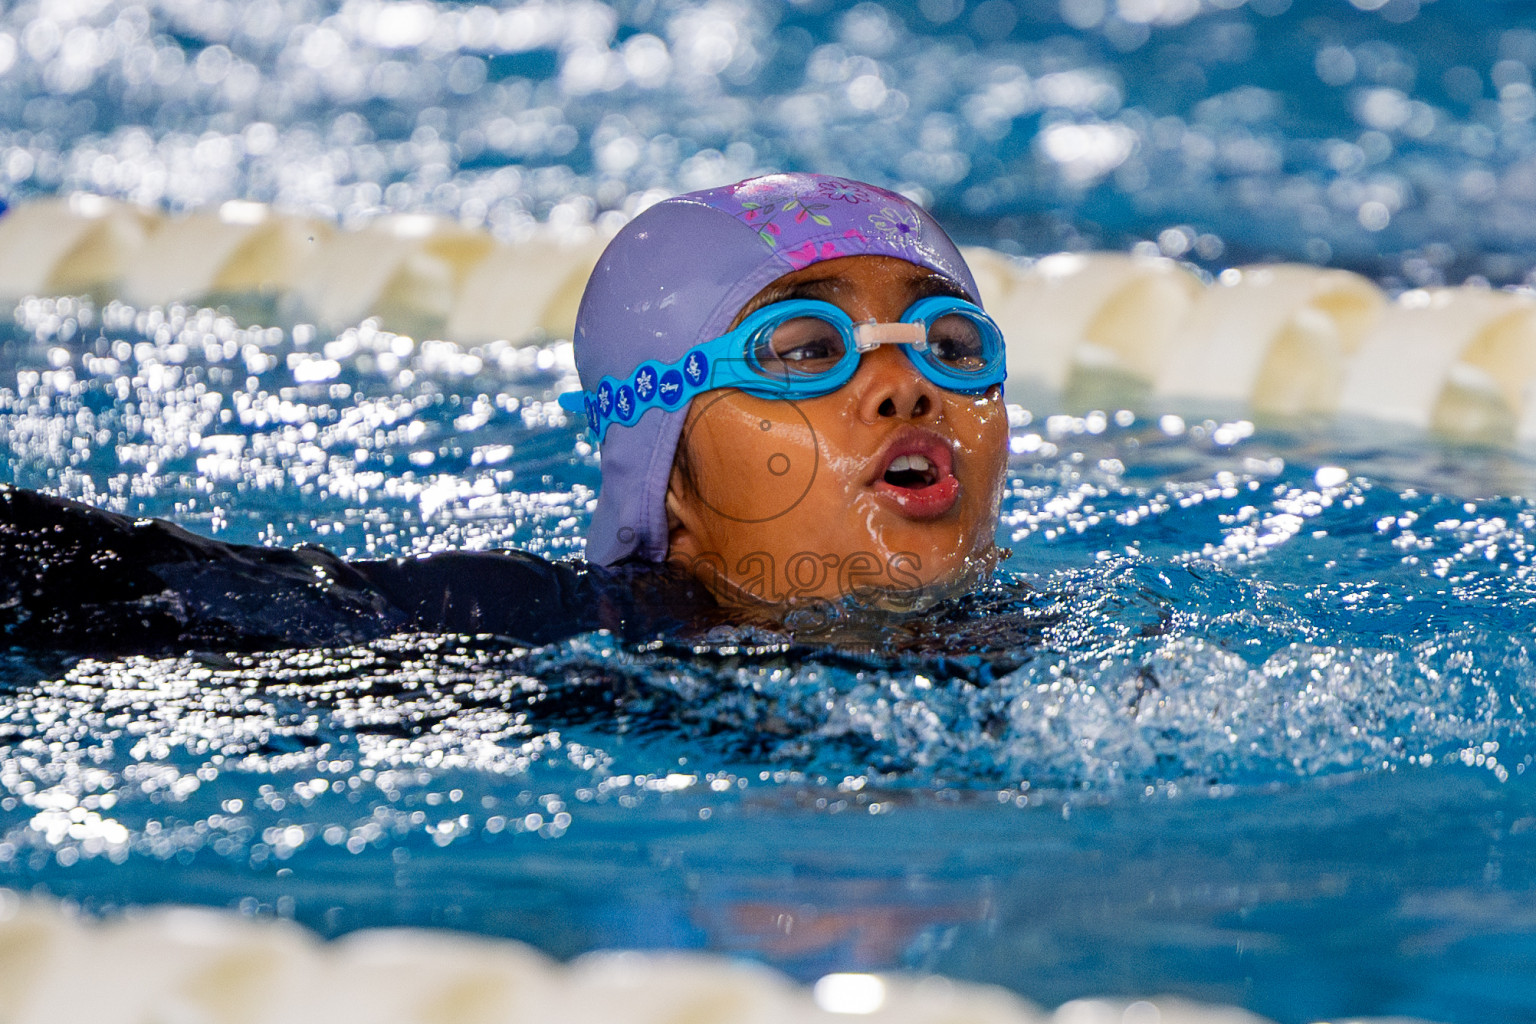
<point>960,342</point>
<point>802,347</point>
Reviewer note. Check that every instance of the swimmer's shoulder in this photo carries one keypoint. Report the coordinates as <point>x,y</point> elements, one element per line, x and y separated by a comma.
<point>526,597</point>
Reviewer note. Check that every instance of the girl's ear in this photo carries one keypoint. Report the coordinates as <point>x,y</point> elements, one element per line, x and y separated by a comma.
<point>682,520</point>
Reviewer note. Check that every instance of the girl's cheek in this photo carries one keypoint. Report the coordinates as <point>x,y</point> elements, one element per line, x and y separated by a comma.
<point>754,464</point>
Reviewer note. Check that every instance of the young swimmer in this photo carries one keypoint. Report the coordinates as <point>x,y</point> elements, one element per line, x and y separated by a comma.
<point>797,396</point>
<point>797,402</point>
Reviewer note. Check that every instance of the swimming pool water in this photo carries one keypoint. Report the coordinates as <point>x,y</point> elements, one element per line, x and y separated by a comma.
<point>1393,136</point>
<point>1247,718</point>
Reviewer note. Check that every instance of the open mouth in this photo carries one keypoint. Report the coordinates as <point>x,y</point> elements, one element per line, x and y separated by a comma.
<point>911,471</point>
<point>919,478</point>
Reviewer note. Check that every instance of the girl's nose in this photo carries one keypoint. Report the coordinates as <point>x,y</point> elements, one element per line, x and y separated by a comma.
<point>888,386</point>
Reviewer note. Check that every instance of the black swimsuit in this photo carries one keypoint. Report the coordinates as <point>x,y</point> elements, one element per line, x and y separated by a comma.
<point>77,578</point>
<point>74,578</point>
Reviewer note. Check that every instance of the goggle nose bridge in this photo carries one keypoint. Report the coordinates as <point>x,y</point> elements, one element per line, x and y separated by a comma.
<point>869,335</point>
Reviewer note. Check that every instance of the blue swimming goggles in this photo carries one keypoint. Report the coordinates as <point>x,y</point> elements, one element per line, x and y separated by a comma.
<point>804,348</point>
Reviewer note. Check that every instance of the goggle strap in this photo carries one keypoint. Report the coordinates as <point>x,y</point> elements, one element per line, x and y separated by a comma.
<point>869,335</point>
<point>705,366</point>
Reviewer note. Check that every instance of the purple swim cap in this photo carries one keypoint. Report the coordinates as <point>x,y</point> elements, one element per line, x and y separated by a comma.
<point>679,273</point>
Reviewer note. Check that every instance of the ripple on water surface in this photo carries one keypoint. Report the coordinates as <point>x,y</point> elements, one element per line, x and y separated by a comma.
<point>1191,608</point>
<point>1393,137</point>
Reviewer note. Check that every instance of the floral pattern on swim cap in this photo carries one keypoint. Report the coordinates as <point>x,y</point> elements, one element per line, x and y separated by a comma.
<point>807,218</point>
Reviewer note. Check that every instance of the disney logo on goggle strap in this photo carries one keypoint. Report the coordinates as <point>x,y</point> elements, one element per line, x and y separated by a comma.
<point>652,385</point>
<point>671,388</point>
<point>652,382</point>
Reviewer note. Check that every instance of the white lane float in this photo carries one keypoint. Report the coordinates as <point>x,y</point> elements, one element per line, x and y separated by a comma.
<point>1276,337</point>
<point>1075,314</point>
<point>1146,331</point>
<point>240,249</point>
<point>525,289</point>
<point>219,967</point>
<point>72,245</point>
<point>393,977</point>
<point>164,964</point>
<point>406,269</point>
<point>1457,360</point>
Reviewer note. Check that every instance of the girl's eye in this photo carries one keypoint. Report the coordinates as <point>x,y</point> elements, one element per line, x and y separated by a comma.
<point>804,346</point>
<point>957,342</point>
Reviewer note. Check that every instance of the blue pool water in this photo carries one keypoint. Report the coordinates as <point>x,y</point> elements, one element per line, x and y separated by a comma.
<point>1396,136</point>
<point>1257,734</point>
<point>1247,717</point>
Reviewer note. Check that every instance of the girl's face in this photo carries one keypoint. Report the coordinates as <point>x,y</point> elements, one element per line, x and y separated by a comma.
<point>886,490</point>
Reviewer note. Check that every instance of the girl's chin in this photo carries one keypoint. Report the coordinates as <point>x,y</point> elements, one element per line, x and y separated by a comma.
<point>905,585</point>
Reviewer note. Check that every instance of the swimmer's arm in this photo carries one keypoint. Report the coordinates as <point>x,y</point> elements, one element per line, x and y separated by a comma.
<point>525,598</point>
<point>507,593</point>
<point>78,578</point>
